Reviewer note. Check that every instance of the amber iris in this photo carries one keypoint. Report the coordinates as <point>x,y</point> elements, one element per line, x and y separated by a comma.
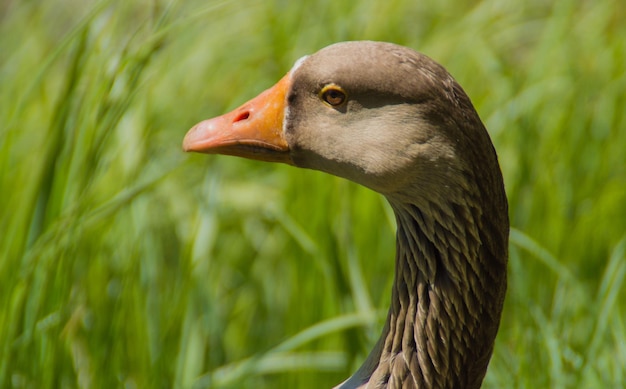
<point>333,95</point>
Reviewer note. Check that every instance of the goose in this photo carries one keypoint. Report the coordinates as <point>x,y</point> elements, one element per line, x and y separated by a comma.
<point>395,121</point>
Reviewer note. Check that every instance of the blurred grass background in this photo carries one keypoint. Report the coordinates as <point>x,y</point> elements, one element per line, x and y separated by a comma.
<point>125,263</point>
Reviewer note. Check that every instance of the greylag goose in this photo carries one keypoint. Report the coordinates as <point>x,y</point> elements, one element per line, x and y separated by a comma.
<point>395,121</point>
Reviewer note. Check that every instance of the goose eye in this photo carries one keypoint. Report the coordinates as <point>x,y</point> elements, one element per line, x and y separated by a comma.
<point>333,95</point>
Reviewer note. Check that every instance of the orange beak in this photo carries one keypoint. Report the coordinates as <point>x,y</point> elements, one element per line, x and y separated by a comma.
<point>254,130</point>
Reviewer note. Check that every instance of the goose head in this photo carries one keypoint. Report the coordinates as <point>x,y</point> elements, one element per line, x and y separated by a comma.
<point>378,114</point>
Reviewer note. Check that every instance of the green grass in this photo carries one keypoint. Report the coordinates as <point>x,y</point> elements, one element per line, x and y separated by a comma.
<point>125,263</point>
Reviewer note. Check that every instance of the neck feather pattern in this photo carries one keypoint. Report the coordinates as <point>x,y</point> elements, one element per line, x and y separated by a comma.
<point>446,301</point>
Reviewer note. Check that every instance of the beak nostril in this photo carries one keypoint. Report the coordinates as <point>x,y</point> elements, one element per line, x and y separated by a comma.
<point>242,116</point>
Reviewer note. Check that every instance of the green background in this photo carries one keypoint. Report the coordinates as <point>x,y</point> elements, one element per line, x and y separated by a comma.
<point>126,263</point>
